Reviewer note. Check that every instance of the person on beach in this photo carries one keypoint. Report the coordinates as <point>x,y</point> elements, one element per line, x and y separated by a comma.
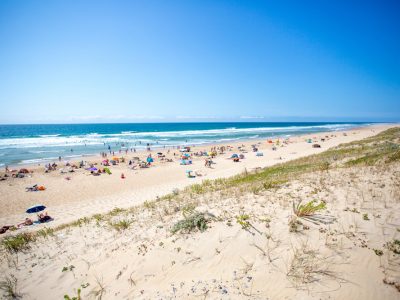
<point>5,228</point>
<point>43,218</point>
<point>27,222</point>
<point>7,169</point>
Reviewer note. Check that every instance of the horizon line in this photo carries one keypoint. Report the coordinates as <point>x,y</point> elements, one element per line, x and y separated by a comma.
<point>199,122</point>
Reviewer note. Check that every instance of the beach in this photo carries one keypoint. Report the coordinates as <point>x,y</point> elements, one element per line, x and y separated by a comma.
<point>158,234</point>
<point>85,195</point>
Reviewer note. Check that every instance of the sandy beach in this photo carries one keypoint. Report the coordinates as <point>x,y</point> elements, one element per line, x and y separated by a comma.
<point>85,195</point>
<point>237,238</point>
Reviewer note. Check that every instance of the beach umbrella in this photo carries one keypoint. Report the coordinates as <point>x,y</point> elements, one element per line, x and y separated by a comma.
<point>36,208</point>
<point>92,169</point>
<point>234,156</point>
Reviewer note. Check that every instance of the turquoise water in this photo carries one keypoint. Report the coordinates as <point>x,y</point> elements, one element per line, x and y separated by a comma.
<point>25,144</point>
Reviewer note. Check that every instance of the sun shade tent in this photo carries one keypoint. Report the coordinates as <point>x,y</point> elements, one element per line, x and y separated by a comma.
<point>235,156</point>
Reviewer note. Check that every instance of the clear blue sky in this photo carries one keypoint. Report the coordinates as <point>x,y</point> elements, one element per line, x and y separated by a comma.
<point>119,61</point>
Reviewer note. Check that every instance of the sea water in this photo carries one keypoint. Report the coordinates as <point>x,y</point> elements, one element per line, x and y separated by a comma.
<point>28,144</point>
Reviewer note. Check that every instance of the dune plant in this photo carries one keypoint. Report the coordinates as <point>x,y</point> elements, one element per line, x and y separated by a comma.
<point>394,246</point>
<point>243,220</point>
<point>77,297</point>
<point>308,209</point>
<point>9,287</point>
<point>121,225</point>
<point>45,232</point>
<point>196,220</point>
<point>81,221</point>
<point>18,242</point>
<point>116,211</point>
<point>309,212</point>
<point>149,205</point>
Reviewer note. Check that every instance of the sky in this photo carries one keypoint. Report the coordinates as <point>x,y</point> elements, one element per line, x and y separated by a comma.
<point>81,61</point>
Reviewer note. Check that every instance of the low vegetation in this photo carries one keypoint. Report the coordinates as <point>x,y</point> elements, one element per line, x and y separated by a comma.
<point>394,246</point>
<point>194,221</point>
<point>9,287</point>
<point>121,224</point>
<point>45,232</point>
<point>308,209</point>
<point>243,220</point>
<point>77,297</point>
<point>19,242</point>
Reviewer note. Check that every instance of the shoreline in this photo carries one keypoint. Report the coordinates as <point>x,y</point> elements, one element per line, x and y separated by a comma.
<point>155,148</point>
<point>86,195</point>
<point>160,147</point>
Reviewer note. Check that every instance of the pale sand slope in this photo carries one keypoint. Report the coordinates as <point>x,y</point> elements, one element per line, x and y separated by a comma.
<point>145,261</point>
<point>85,195</point>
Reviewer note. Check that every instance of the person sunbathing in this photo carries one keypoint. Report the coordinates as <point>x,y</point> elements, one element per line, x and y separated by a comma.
<point>27,222</point>
<point>43,218</point>
<point>33,188</point>
<point>5,228</point>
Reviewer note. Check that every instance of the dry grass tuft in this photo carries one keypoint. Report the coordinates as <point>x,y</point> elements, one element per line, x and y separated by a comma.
<point>9,287</point>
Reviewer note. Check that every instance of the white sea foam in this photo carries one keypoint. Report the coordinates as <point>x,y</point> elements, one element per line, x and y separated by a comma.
<point>49,135</point>
<point>36,160</point>
<point>173,137</point>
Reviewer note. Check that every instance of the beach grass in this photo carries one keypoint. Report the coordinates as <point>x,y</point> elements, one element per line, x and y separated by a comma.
<point>9,287</point>
<point>19,242</point>
<point>121,225</point>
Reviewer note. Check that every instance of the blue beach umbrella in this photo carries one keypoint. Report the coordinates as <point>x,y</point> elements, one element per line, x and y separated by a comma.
<point>36,208</point>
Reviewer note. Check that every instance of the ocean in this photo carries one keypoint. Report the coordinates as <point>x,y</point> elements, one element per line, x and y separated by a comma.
<point>29,144</point>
